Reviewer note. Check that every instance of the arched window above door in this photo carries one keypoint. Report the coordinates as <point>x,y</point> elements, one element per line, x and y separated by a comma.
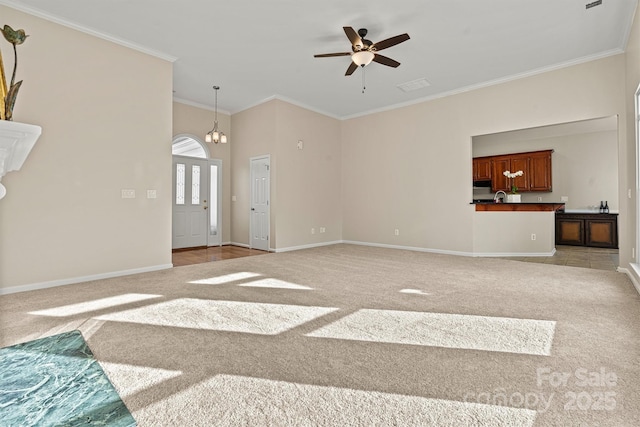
<point>188,145</point>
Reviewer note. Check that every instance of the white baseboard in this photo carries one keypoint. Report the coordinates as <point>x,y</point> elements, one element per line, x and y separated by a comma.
<point>70,281</point>
<point>313,245</point>
<point>409,248</point>
<point>633,275</point>
<point>514,254</point>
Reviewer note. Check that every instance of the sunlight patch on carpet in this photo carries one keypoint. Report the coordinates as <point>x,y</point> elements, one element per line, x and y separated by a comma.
<point>274,283</point>
<point>227,278</point>
<point>93,305</point>
<point>238,400</point>
<point>232,316</point>
<point>129,379</point>
<point>502,334</point>
<point>414,291</point>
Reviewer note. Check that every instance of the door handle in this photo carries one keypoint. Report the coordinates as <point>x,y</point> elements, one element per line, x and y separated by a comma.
<point>205,207</point>
<point>253,209</point>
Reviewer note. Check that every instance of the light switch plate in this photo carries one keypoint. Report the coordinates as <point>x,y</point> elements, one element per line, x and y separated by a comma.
<point>151,194</point>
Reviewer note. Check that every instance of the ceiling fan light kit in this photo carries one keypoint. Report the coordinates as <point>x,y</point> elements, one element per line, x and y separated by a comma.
<point>214,135</point>
<point>363,51</point>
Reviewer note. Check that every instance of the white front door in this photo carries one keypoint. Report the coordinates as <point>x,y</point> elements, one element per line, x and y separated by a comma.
<point>260,188</point>
<point>190,196</point>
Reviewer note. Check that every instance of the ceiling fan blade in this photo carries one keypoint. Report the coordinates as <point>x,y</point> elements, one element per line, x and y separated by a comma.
<point>385,61</point>
<point>327,55</point>
<point>390,42</point>
<point>351,69</point>
<point>354,38</point>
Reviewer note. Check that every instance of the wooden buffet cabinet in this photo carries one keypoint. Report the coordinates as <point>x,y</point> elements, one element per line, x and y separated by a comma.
<point>576,229</point>
<point>536,166</point>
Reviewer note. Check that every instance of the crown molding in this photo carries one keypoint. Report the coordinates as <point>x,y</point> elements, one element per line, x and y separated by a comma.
<point>489,83</point>
<point>198,105</point>
<point>108,37</point>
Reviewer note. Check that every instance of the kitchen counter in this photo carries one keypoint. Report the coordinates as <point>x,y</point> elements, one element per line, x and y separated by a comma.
<point>491,206</point>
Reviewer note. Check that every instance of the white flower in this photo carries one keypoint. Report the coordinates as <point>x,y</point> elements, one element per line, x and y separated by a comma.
<point>512,175</point>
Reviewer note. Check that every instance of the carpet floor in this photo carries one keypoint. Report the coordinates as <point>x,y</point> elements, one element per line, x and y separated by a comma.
<point>350,335</point>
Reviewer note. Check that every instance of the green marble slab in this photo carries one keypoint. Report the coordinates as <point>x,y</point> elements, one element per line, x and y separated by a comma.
<point>55,381</point>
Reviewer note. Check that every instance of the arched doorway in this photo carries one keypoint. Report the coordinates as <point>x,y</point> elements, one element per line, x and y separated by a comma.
<point>197,190</point>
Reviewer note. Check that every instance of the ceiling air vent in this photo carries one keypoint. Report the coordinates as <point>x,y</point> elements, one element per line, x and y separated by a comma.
<point>593,4</point>
<point>414,85</point>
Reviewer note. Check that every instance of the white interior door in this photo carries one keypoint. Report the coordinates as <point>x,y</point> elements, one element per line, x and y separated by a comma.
<point>260,187</point>
<point>190,202</point>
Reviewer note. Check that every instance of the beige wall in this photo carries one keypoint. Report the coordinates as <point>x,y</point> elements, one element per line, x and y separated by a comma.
<point>628,153</point>
<point>509,233</point>
<point>196,122</point>
<point>584,166</point>
<point>308,179</point>
<point>410,168</point>
<point>254,135</point>
<point>105,111</point>
<point>305,184</point>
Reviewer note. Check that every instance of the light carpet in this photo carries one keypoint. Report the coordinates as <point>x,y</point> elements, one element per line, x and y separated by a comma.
<point>352,335</point>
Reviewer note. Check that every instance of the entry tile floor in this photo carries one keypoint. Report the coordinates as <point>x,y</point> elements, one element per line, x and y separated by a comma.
<point>578,256</point>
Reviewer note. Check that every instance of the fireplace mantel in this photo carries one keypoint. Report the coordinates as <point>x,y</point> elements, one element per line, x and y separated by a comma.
<point>16,142</point>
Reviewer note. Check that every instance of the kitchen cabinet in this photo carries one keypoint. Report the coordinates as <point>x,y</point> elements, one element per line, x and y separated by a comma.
<point>595,230</point>
<point>540,171</point>
<point>536,168</point>
<point>482,169</point>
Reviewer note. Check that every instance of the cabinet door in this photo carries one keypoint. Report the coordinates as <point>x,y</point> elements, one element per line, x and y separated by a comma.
<point>601,233</point>
<point>540,171</point>
<point>482,169</point>
<point>570,231</point>
<point>499,164</point>
<point>521,163</point>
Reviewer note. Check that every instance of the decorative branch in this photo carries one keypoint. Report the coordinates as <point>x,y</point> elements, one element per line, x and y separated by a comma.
<point>15,37</point>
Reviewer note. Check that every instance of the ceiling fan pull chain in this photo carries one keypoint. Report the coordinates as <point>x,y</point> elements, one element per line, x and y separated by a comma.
<point>363,86</point>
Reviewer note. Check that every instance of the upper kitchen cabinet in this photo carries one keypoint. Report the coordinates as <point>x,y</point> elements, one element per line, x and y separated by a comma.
<point>536,168</point>
<point>540,171</point>
<point>482,169</point>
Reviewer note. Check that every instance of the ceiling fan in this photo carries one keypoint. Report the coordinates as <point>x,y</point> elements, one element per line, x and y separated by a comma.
<point>363,51</point>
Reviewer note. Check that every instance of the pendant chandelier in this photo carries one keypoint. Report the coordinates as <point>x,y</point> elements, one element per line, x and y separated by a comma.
<point>214,135</point>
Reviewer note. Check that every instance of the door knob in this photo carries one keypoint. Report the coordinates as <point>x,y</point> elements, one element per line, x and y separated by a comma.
<point>205,207</point>
<point>253,209</point>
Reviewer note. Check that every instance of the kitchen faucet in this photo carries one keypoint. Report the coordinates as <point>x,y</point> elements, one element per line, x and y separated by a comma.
<point>495,198</point>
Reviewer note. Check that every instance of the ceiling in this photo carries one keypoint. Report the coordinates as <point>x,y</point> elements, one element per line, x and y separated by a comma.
<point>257,50</point>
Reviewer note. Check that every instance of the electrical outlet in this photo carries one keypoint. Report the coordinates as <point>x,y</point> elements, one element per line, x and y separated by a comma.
<point>313,231</point>
<point>152,194</point>
<point>396,232</point>
<point>539,198</point>
<point>564,198</point>
<point>533,236</point>
<point>128,194</point>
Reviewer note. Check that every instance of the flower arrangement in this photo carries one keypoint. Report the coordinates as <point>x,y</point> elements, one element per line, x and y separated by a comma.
<point>512,176</point>
<point>8,94</point>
